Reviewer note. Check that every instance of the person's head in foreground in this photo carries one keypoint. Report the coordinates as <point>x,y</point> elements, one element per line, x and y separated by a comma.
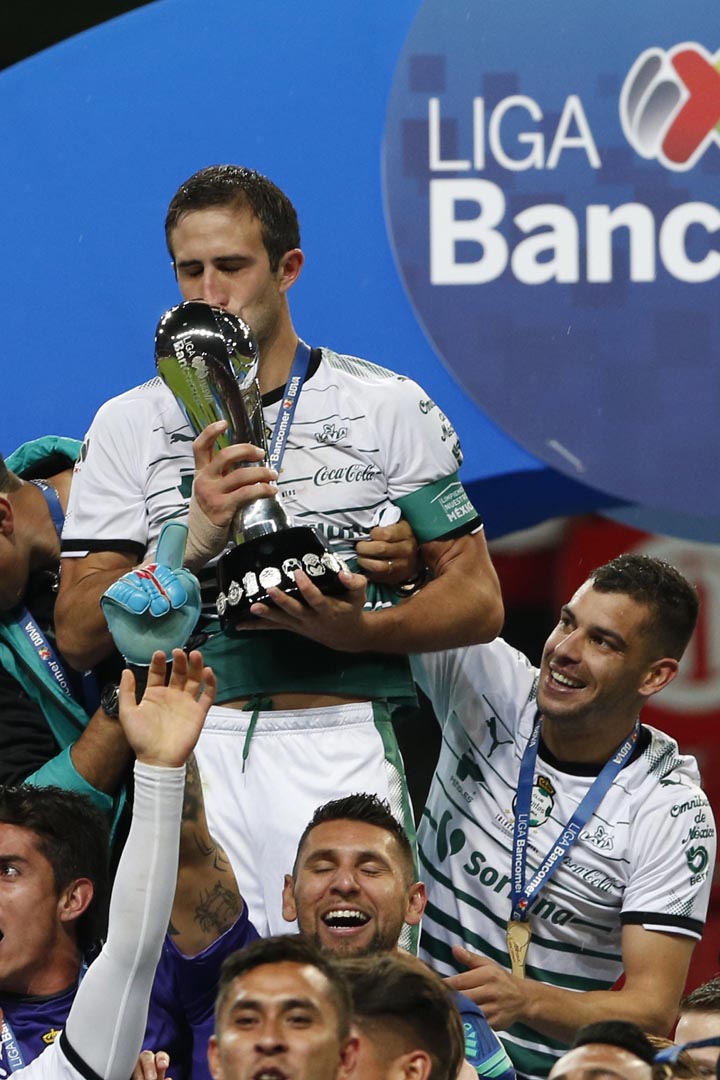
<point>408,1026</point>
<point>607,1050</point>
<point>353,883</point>
<point>53,886</point>
<point>283,1012</point>
<point>700,1019</point>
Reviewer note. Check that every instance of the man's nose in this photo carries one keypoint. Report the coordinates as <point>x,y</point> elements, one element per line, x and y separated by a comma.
<point>270,1038</point>
<point>569,645</point>
<point>214,289</point>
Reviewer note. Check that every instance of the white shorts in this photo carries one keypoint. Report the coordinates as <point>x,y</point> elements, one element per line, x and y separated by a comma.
<point>295,761</point>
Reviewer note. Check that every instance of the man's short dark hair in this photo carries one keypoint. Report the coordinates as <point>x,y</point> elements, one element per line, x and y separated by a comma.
<point>704,998</point>
<point>620,1033</point>
<point>292,949</point>
<point>236,186</point>
<point>8,480</point>
<point>671,599</point>
<point>72,835</point>
<point>368,809</point>
<point>396,997</point>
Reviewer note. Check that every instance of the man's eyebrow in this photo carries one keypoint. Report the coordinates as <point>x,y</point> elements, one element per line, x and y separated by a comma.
<point>285,1004</point>
<point>12,859</point>
<point>600,631</point>
<point>331,855</point>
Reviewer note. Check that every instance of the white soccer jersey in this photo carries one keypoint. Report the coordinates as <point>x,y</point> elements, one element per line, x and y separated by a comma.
<point>362,439</point>
<point>57,1062</point>
<point>646,856</point>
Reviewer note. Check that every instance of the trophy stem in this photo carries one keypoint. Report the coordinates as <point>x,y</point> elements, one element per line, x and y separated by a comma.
<point>260,518</point>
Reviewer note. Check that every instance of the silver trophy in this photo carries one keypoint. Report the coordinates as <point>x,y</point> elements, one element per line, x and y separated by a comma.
<point>208,358</point>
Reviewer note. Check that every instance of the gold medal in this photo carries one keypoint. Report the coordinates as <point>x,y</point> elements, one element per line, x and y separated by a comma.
<point>517,935</point>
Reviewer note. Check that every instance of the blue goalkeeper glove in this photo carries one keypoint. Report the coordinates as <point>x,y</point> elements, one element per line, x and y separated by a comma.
<point>155,607</point>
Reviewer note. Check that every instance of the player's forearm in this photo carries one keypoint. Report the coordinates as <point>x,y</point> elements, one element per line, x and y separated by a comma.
<point>82,632</point>
<point>559,1013</point>
<point>461,605</point>
<point>108,1018</point>
<point>207,898</point>
<point>101,755</point>
<point>446,614</point>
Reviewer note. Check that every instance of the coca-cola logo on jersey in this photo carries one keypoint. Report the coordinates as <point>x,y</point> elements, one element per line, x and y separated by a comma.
<point>348,474</point>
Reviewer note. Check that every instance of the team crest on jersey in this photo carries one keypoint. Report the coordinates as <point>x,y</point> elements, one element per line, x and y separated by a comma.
<point>50,1036</point>
<point>541,802</point>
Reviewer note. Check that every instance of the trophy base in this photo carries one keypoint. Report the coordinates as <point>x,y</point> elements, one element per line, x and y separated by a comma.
<point>250,569</point>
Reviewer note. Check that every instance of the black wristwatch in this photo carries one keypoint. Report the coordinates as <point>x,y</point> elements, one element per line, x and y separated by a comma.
<point>109,700</point>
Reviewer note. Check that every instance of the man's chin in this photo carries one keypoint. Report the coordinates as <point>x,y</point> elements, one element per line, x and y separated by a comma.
<point>349,945</point>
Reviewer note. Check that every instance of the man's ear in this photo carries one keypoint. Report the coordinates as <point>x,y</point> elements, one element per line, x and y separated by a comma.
<point>289,907</point>
<point>415,1065</point>
<point>213,1056</point>
<point>289,268</point>
<point>659,675</point>
<point>416,901</point>
<point>75,899</point>
<point>7,519</point>
<point>348,1058</point>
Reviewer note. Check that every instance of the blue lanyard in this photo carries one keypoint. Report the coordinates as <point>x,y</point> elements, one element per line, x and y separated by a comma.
<point>54,505</point>
<point>523,893</point>
<point>10,1050</point>
<point>291,396</point>
<point>43,649</point>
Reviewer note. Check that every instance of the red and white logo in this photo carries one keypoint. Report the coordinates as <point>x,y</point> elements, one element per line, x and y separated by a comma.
<point>670,104</point>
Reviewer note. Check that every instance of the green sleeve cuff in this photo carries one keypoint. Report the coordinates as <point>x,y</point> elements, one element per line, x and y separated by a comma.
<point>438,509</point>
<point>61,772</point>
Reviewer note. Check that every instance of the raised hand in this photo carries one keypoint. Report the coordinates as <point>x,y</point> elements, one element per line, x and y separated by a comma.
<point>164,727</point>
<point>154,606</point>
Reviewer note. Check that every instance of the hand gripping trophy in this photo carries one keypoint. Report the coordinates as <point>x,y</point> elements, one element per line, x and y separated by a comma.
<point>209,360</point>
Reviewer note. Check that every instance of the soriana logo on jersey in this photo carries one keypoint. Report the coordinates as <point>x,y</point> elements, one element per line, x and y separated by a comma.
<point>552,170</point>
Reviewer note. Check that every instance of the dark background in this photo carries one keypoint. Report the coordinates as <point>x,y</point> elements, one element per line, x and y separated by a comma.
<point>33,25</point>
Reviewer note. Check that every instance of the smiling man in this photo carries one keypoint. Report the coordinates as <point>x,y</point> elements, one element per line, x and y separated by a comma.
<point>352,889</point>
<point>564,843</point>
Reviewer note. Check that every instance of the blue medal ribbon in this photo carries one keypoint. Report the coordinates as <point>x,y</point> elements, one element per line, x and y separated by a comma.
<point>54,505</point>
<point>10,1052</point>
<point>523,893</point>
<point>291,396</point>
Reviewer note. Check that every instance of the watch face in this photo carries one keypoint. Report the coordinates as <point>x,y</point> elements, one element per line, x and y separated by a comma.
<point>109,699</point>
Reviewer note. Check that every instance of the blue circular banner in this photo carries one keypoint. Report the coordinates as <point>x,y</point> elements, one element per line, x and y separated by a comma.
<point>551,179</point>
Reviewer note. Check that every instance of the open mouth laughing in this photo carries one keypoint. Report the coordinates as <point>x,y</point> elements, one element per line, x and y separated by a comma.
<point>345,920</point>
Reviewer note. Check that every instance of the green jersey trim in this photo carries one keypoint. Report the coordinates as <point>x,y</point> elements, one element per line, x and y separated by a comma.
<point>438,509</point>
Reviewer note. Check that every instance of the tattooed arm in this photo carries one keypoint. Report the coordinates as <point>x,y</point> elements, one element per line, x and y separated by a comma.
<point>207,898</point>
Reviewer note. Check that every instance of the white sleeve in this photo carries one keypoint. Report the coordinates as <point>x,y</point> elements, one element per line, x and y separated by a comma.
<point>421,459</point>
<point>106,508</point>
<point>476,681</point>
<point>673,857</point>
<point>106,1025</point>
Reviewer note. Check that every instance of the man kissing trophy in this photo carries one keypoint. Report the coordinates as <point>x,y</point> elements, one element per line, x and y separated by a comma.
<point>208,358</point>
